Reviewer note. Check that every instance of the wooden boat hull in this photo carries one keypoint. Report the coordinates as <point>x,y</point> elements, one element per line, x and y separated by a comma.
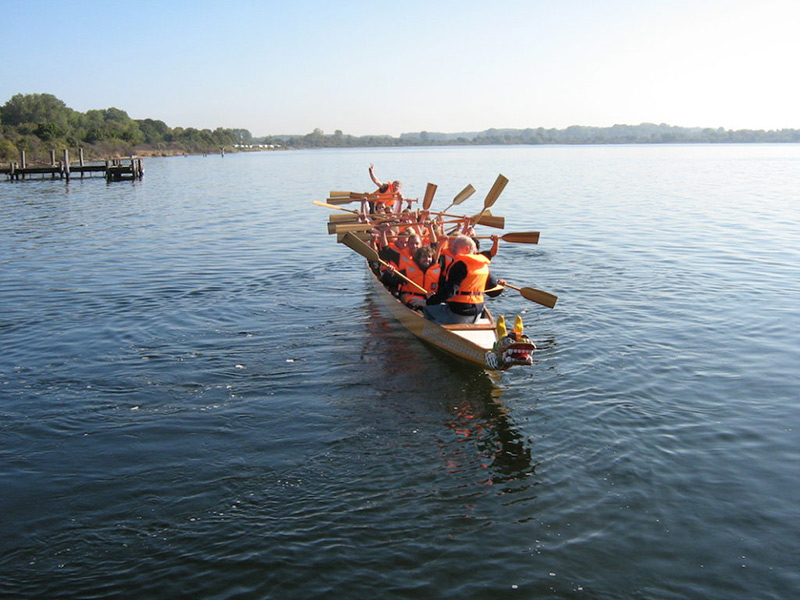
<point>475,343</point>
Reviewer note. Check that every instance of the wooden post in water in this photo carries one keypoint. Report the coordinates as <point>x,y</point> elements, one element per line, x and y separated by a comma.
<point>22,164</point>
<point>65,164</point>
<point>80,160</point>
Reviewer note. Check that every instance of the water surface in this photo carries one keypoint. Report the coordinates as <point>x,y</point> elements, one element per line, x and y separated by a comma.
<point>200,398</point>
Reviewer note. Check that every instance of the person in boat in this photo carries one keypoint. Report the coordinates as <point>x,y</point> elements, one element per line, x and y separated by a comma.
<point>401,252</point>
<point>400,256</point>
<point>446,257</point>
<point>387,196</point>
<point>425,272</point>
<point>460,298</point>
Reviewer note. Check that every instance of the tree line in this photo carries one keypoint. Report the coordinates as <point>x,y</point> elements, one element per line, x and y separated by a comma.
<point>645,133</point>
<point>37,123</point>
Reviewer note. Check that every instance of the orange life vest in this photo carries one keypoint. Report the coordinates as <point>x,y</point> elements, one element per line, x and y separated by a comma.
<point>428,279</point>
<point>392,245</point>
<point>406,260</point>
<point>387,197</point>
<point>446,258</point>
<point>470,290</point>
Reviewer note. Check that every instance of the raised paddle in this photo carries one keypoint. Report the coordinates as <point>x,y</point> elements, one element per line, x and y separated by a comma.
<point>371,254</point>
<point>430,190</point>
<point>486,219</point>
<point>534,295</point>
<point>494,193</point>
<point>461,196</point>
<point>522,237</point>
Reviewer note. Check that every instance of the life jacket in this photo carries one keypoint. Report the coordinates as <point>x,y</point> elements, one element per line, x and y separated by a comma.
<point>392,245</point>
<point>406,260</point>
<point>428,279</point>
<point>446,258</point>
<point>470,290</point>
<point>386,195</point>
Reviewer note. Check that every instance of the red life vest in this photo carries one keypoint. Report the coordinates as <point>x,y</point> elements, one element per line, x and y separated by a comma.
<point>470,290</point>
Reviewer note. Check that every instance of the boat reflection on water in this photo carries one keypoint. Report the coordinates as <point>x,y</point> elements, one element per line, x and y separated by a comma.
<point>483,434</point>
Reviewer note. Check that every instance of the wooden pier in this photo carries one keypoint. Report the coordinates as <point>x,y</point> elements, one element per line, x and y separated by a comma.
<point>116,169</point>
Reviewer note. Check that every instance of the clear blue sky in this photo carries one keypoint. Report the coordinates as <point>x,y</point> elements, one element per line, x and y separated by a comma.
<point>387,67</point>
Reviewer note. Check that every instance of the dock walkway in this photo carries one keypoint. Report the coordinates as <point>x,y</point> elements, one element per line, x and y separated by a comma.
<point>113,169</point>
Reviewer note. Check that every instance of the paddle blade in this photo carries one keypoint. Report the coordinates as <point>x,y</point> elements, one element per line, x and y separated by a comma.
<point>539,296</point>
<point>429,193</point>
<point>363,249</point>
<point>490,221</point>
<point>365,237</point>
<point>339,194</point>
<point>463,195</point>
<point>345,227</point>
<point>342,218</point>
<point>326,205</point>
<point>494,193</point>
<point>523,237</point>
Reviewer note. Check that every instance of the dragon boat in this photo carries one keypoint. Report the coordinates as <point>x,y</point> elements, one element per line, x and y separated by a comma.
<point>488,342</point>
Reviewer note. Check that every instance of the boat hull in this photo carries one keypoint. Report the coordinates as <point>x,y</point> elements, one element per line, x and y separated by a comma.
<point>474,343</point>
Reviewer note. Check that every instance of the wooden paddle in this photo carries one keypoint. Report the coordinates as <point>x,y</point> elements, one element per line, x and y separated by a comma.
<point>430,190</point>
<point>522,237</point>
<point>534,295</point>
<point>362,235</point>
<point>327,205</point>
<point>461,196</point>
<point>371,254</point>
<point>486,219</point>
<point>494,193</point>
<point>342,218</point>
<point>345,227</point>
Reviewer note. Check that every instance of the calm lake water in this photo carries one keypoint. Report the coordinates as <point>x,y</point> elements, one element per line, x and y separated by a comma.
<point>200,398</point>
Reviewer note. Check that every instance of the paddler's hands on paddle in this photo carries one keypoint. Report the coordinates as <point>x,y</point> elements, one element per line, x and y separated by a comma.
<point>495,245</point>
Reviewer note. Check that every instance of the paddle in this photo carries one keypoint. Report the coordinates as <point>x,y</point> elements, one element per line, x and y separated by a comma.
<point>371,254</point>
<point>326,205</point>
<point>494,193</point>
<point>461,196</point>
<point>522,237</point>
<point>534,295</point>
<point>342,218</point>
<point>345,227</point>
<point>430,190</point>
<point>487,219</point>
<point>362,235</point>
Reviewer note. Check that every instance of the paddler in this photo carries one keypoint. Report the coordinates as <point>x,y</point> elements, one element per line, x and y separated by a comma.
<point>460,299</point>
<point>387,195</point>
<point>425,272</point>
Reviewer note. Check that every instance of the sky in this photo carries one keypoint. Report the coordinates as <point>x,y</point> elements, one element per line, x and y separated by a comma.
<point>398,66</point>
